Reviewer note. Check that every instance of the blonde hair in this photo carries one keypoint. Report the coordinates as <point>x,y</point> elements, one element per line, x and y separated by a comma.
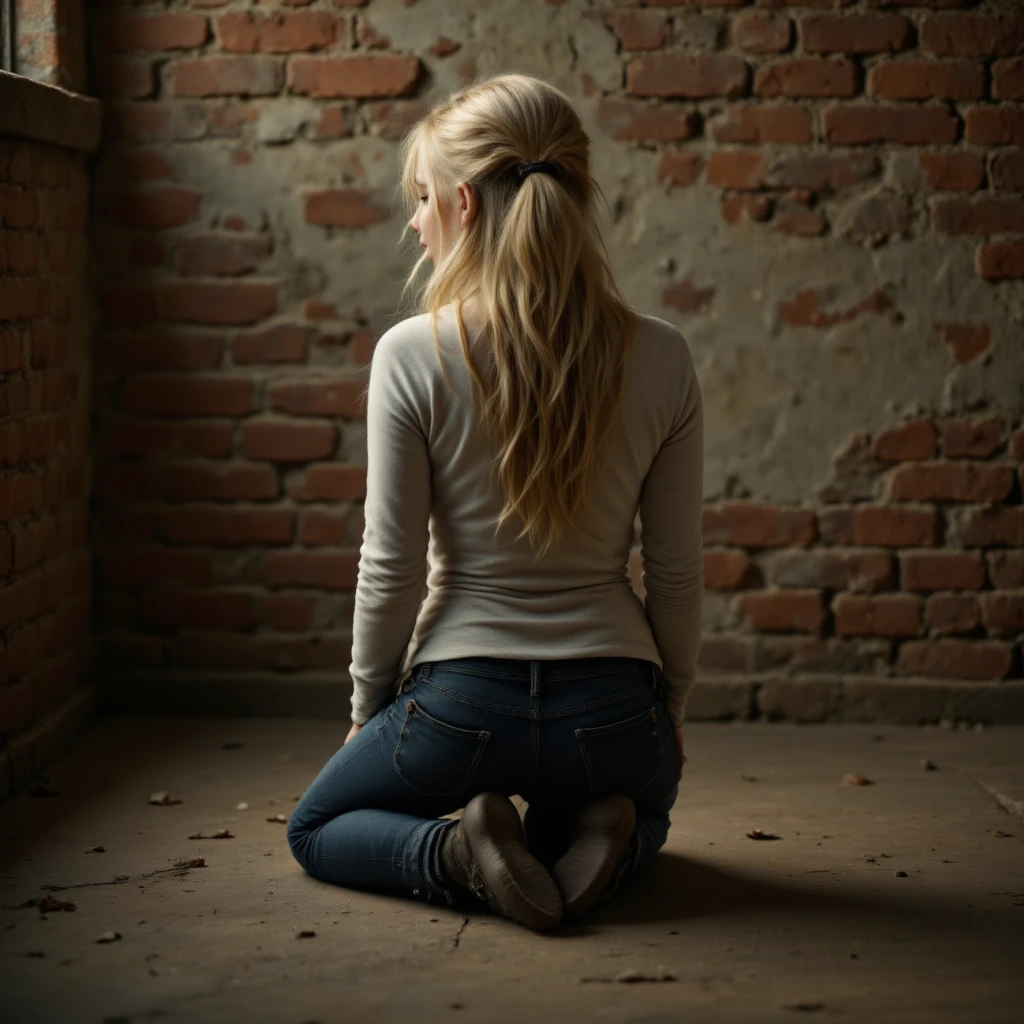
<point>557,332</point>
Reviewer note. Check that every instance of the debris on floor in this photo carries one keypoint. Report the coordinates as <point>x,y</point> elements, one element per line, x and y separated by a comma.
<point>163,797</point>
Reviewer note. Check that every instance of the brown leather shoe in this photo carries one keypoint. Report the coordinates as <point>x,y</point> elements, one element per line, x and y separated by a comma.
<point>601,842</point>
<point>486,853</point>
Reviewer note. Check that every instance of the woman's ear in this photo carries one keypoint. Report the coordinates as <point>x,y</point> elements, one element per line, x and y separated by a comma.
<point>467,204</point>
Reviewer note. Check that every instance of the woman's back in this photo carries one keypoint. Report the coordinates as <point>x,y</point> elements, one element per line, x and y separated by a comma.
<point>431,473</point>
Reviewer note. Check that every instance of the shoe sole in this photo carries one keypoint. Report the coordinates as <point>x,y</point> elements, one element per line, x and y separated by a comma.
<point>601,835</point>
<point>520,883</point>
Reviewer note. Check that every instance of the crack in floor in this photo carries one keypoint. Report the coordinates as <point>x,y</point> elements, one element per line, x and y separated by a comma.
<point>116,880</point>
<point>458,934</point>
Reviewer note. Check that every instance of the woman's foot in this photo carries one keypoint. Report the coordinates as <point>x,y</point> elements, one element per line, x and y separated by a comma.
<point>601,842</point>
<point>486,853</point>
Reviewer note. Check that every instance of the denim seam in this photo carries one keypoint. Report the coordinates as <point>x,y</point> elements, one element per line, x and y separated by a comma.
<point>529,712</point>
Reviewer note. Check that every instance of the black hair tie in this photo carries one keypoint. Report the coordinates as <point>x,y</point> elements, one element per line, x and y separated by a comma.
<point>525,170</point>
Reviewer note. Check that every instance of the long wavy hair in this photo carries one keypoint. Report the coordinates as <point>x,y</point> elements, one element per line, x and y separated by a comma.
<point>557,332</point>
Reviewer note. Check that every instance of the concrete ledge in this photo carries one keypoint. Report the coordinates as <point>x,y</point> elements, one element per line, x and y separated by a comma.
<point>47,113</point>
<point>32,750</point>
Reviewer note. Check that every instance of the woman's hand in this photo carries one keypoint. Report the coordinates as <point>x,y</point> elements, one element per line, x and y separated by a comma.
<point>355,728</point>
<point>679,744</point>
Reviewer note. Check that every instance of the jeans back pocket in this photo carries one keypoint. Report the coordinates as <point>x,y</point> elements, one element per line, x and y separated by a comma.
<point>434,757</point>
<point>623,756</point>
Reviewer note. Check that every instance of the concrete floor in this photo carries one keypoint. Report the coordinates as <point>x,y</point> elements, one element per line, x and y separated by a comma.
<point>817,924</point>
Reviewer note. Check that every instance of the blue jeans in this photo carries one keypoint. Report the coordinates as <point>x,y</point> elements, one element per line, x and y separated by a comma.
<point>555,733</point>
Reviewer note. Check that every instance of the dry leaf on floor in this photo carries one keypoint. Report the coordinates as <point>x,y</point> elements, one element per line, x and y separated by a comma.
<point>243,806</point>
<point>856,780</point>
<point>306,933</point>
<point>928,765</point>
<point>163,797</point>
<point>660,974</point>
<point>47,904</point>
<point>279,817</point>
<point>108,937</point>
<point>804,1006</point>
<point>749,778</point>
<point>196,835</point>
<point>35,952</point>
<point>758,834</point>
<point>197,862</point>
<point>222,833</point>
<point>96,849</point>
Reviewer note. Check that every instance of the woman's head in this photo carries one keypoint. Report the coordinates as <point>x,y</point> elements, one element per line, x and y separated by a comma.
<point>528,250</point>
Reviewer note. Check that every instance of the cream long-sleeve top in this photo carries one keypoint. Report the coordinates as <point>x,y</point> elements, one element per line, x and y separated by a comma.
<point>434,582</point>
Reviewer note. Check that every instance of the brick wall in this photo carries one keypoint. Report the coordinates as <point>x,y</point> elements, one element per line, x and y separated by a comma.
<point>826,197</point>
<point>45,321</point>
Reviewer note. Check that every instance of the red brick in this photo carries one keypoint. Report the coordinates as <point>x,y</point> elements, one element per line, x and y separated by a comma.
<point>1003,612</point>
<point>679,169</point>
<point>922,80</point>
<point>330,482</point>
<point>941,570</point>
<point>244,32</point>
<point>281,440</point>
<point>331,397</point>
<point>345,208</point>
<point>212,438</point>
<point>187,395</point>
<point>950,481</point>
<point>127,78</point>
<point>974,439</point>
<point>282,344</point>
<point>1008,79</point>
<point>160,350</point>
<point>165,206</point>
<point>1006,569</point>
<point>685,76</point>
<point>638,30</point>
<point>994,126</point>
<point>806,76</point>
<point>22,253</point>
<point>920,125</point>
<point>779,123</point>
<point>169,31</point>
<point>796,218</point>
<point>832,569</point>
<point>1006,169</point>
<point>228,254</point>
<point>956,659</point>
<point>952,613</point>
<point>737,207</point>
<point>1000,260</point>
<point>803,310</point>
<point>784,610</point>
<point>22,298</point>
<point>824,171</point>
<point>321,569</point>
<point>755,525</point>
<point>228,76</point>
<point>907,442</point>
<point>330,77</point>
<point>687,297</point>
<point>228,526</point>
<point>221,303</point>
<point>637,121</point>
<point>726,653</point>
<point>144,122</point>
<point>865,33</point>
<point>953,171</point>
<point>739,169</point>
<point>724,569</point>
<point>885,615</point>
<point>199,609</point>
<point>291,612</point>
<point>972,35</point>
<point>981,216</point>
<point>762,33</point>
<point>318,528</point>
<point>231,482</point>
<point>334,123</point>
<point>995,527</point>
<point>19,208</point>
<point>966,341</point>
<point>890,527</point>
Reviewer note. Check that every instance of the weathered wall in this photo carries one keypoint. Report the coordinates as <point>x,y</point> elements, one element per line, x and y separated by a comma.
<point>46,692</point>
<point>826,197</point>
